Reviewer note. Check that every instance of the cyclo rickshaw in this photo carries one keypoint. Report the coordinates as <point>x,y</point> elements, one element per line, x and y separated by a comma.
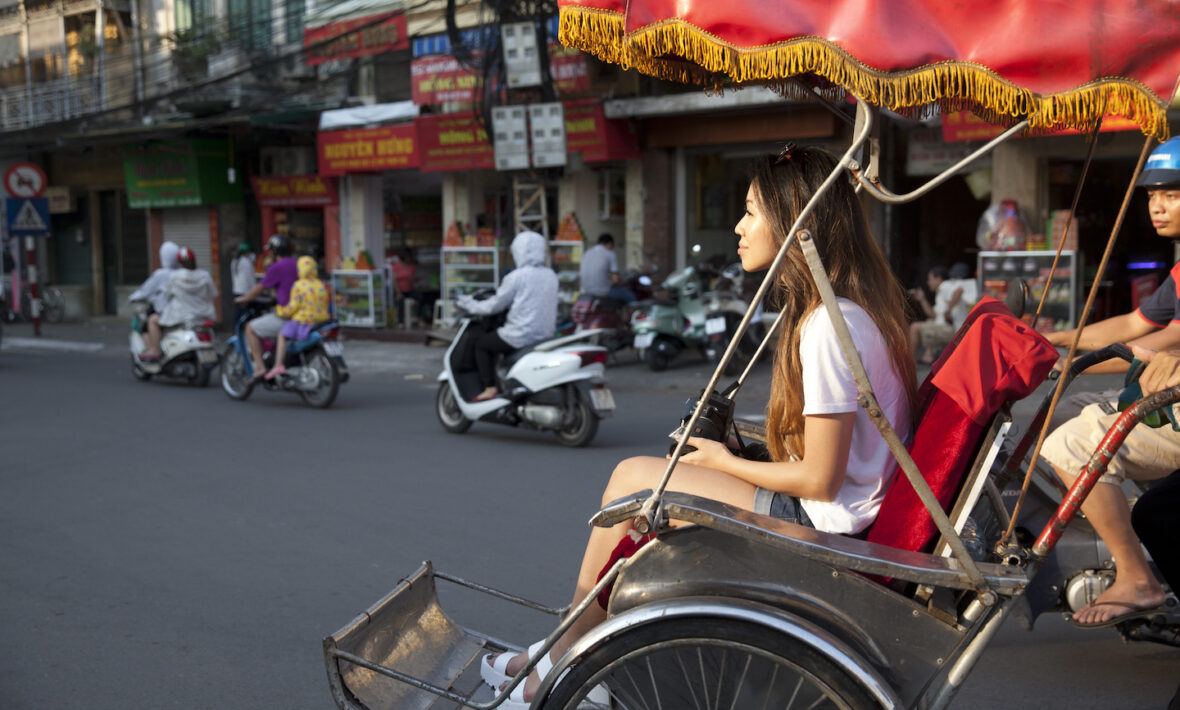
<point>740,610</point>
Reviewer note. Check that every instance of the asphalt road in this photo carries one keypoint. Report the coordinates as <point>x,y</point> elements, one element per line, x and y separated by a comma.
<point>165,547</point>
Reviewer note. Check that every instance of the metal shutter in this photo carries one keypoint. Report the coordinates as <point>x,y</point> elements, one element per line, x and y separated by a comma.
<point>189,227</point>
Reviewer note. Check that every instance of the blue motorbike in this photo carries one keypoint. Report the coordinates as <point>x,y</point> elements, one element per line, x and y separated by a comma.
<point>315,365</point>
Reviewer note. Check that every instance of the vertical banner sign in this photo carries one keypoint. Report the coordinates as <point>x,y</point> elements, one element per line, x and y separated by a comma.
<point>368,150</point>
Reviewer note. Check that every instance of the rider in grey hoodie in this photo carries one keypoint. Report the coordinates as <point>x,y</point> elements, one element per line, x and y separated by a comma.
<point>529,292</point>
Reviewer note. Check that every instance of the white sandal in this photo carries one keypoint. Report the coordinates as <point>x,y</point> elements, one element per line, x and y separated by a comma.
<point>493,672</point>
<point>600,695</point>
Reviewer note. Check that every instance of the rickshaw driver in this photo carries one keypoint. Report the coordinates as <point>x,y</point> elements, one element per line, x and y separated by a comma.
<point>1147,453</point>
<point>843,466</point>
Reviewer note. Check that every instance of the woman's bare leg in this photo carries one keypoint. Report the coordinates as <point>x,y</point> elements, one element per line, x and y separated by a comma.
<point>631,475</point>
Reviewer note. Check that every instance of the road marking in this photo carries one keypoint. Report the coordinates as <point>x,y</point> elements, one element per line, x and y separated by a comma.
<point>43,344</point>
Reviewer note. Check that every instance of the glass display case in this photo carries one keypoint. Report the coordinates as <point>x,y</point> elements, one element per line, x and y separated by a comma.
<point>565,257</point>
<point>465,270</point>
<point>359,298</point>
<point>997,268</point>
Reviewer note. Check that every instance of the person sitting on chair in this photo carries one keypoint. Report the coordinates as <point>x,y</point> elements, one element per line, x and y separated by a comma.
<point>529,293</point>
<point>830,466</point>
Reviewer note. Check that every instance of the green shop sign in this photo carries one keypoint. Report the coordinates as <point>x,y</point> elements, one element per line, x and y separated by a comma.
<point>183,173</point>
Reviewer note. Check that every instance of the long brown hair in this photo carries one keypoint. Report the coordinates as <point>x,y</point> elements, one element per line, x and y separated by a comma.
<point>856,268</point>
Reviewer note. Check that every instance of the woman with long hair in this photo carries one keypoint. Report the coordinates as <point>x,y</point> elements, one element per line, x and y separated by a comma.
<point>829,465</point>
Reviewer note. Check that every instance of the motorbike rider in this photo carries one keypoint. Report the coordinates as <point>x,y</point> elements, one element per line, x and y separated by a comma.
<point>529,293</point>
<point>307,308</point>
<point>152,291</point>
<point>599,273</point>
<point>281,275</point>
<point>1147,453</point>
<point>190,292</point>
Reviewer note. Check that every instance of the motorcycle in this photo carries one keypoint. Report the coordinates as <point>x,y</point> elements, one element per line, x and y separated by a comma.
<point>664,328</point>
<point>605,320</point>
<point>556,385</point>
<point>725,301</point>
<point>315,365</point>
<point>187,352</point>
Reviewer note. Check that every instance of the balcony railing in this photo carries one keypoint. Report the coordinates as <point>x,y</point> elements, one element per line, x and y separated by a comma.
<point>48,102</point>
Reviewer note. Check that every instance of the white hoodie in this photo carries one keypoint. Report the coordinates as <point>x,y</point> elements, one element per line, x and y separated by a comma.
<point>190,294</point>
<point>152,290</point>
<point>529,292</point>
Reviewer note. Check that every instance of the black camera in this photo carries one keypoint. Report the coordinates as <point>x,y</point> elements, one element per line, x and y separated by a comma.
<point>715,422</point>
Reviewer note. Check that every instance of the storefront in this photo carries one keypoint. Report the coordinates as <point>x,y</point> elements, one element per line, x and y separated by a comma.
<point>304,208</point>
<point>185,186</point>
<point>1041,175</point>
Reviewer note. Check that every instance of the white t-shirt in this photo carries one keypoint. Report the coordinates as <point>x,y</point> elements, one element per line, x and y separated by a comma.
<point>242,271</point>
<point>829,388</point>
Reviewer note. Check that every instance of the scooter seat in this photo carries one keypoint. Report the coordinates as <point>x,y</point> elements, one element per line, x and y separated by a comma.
<point>511,358</point>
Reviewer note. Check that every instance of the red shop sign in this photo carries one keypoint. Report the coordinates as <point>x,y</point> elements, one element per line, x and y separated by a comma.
<point>589,132</point>
<point>568,68</point>
<point>294,191</point>
<point>440,78</point>
<point>358,37</point>
<point>453,141</point>
<point>366,150</point>
<point>966,126</point>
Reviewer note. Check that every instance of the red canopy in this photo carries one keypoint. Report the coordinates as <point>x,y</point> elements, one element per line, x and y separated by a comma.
<point>1058,63</point>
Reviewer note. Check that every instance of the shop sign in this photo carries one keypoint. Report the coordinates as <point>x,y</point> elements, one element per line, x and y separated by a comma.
<point>359,37</point>
<point>966,126</point>
<point>928,154</point>
<point>440,78</point>
<point>588,131</point>
<point>453,141</point>
<point>179,174</point>
<point>294,191</point>
<point>368,150</point>
<point>568,68</point>
<point>61,199</point>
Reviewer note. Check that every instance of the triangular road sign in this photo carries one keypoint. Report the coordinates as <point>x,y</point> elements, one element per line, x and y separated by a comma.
<point>28,219</point>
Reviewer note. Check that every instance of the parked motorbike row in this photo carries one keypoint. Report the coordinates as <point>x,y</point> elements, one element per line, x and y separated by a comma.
<point>315,365</point>
<point>689,315</point>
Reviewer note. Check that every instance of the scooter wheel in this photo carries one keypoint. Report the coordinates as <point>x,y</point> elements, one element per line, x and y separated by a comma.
<point>657,360</point>
<point>234,380</point>
<point>583,424</point>
<point>447,408</point>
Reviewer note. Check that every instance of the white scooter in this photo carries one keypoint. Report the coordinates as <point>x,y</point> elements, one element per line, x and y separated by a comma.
<point>556,385</point>
<point>186,352</point>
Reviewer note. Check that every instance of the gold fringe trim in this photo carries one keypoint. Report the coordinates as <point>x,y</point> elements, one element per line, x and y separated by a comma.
<point>677,51</point>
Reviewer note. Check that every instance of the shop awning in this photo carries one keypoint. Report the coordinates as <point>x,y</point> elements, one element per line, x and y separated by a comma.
<point>368,115</point>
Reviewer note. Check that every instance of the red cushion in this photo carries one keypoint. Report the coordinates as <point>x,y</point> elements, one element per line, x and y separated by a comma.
<point>993,359</point>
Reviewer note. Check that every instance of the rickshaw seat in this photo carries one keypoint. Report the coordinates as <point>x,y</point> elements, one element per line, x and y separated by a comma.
<point>994,359</point>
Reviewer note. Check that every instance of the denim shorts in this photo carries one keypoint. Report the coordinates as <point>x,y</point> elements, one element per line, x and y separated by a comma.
<point>783,507</point>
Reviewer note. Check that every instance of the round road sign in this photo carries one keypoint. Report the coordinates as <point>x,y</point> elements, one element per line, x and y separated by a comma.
<point>24,180</point>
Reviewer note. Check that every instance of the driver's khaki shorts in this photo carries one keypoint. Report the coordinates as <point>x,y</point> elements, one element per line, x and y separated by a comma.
<point>267,326</point>
<point>1146,453</point>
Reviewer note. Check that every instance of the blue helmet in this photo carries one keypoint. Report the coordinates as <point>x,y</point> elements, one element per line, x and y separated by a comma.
<point>1162,166</point>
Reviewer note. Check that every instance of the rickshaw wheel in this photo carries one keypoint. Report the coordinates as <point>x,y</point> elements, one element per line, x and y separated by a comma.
<point>708,662</point>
